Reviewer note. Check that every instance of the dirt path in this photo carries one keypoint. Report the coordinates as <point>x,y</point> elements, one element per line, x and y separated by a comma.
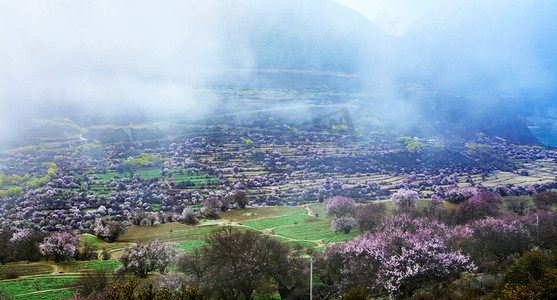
<point>42,291</point>
<point>57,269</point>
<point>269,231</point>
<point>308,210</point>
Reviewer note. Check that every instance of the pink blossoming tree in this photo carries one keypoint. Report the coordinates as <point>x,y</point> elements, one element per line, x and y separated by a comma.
<point>339,206</point>
<point>61,245</point>
<point>343,210</point>
<point>400,257</point>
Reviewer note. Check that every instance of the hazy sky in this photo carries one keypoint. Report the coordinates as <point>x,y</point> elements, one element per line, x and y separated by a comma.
<point>110,53</point>
<point>398,16</point>
<point>507,46</point>
<point>394,16</point>
<point>150,55</point>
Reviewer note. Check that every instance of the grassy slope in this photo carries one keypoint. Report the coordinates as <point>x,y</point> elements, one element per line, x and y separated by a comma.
<point>292,224</point>
<point>296,225</point>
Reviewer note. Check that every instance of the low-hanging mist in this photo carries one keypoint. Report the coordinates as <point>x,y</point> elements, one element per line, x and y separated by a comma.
<point>101,62</point>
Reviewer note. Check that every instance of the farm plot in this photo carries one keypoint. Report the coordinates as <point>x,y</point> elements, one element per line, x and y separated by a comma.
<point>168,232</point>
<point>183,179</point>
<point>318,229</point>
<point>297,225</point>
<point>75,266</point>
<point>188,246</point>
<point>262,213</point>
<point>90,238</point>
<point>24,269</point>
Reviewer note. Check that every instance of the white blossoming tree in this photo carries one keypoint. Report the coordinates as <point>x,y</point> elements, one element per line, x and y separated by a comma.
<point>108,230</point>
<point>140,259</point>
<point>405,197</point>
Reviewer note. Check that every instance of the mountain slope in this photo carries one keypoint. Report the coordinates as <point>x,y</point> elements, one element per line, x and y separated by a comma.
<point>497,46</point>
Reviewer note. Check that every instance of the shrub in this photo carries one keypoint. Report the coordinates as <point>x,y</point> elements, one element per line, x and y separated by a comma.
<point>477,207</point>
<point>189,216</point>
<point>533,276</point>
<point>356,293</point>
<point>87,251</point>
<point>543,288</point>
<point>343,224</point>
<point>123,290</point>
<point>132,290</point>
<point>545,200</point>
<point>530,265</point>
<point>92,281</point>
<point>11,274</point>
<point>105,255</point>
<point>370,216</point>
<point>491,242</point>
<point>108,230</point>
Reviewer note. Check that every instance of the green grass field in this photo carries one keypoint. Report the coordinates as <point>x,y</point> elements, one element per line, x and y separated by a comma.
<point>39,287</point>
<point>307,231</point>
<point>77,266</point>
<point>304,244</point>
<point>279,221</point>
<point>90,238</point>
<point>262,213</point>
<point>188,246</point>
<point>63,293</point>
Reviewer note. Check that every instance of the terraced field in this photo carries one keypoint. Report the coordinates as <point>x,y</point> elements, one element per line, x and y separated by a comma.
<point>23,269</point>
<point>540,171</point>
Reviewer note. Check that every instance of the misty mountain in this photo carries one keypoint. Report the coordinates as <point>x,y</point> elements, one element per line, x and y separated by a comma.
<point>497,46</point>
<point>101,62</point>
<point>318,35</point>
